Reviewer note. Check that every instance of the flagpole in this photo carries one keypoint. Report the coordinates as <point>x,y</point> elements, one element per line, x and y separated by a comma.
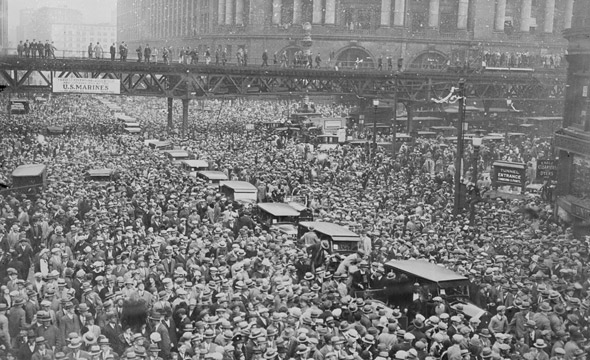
<point>459,159</point>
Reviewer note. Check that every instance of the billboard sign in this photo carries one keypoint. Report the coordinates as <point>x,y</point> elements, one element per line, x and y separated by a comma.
<point>87,86</point>
<point>547,169</point>
<point>509,173</point>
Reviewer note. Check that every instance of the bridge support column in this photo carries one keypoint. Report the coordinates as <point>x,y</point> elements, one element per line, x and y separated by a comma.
<point>185,103</point>
<point>331,12</point>
<point>569,13</point>
<point>463,13</point>
<point>433,11</point>
<point>170,111</point>
<point>385,13</point>
<point>525,15</point>
<point>277,8</point>
<point>500,15</point>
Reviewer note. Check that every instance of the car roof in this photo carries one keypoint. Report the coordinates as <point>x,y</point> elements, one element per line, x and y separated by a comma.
<point>239,185</point>
<point>196,163</point>
<point>426,270</point>
<point>213,175</point>
<point>29,170</point>
<point>100,172</point>
<point>330,229</point>
<point>176,152</point>
<point>278,209</point>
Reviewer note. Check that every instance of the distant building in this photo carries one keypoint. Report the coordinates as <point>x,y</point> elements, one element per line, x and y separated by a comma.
<point>72,40</point>
<point>65,28</point>
<point>25,28</point>
<point>424,33</point>
<point>4,24</point>
<point>573,141</point>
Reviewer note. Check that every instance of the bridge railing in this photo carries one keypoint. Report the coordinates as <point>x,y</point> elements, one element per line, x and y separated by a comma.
<point>368,64</point>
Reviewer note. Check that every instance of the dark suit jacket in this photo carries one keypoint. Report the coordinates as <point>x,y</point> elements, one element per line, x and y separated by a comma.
<point>24,352</point>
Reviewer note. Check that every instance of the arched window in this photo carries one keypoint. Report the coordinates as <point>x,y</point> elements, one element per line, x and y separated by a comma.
<point>350,57</point>
<point>429,61</point>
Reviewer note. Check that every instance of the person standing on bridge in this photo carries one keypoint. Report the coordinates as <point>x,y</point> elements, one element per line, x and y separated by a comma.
<point>90,51</point>
<point>265,58</point>
<point>217,56</point>
<point>27,48</point>
<point>98,50</point>
<point>224,57</point>
<point>41,49</point>
<point>113,51</point>
<point>165,56</point>
<point>33,48</point>
<point>318,61</point>
<point>19,49</point>
<point>52,49</point>
<point>47,49</point>
<point>139,52</point>
<point>208,56</point>
<point>147,53</point>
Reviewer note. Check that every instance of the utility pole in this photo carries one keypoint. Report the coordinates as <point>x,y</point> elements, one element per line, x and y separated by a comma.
<point>458,170</point>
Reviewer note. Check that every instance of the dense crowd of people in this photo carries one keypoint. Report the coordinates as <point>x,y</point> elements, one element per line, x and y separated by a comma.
<point>157,265</point>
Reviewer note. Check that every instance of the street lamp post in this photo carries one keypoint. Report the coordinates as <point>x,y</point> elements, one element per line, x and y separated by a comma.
<point>375,106</point>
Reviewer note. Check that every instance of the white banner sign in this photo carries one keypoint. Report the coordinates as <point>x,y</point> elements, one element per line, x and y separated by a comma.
<point>86,86</point>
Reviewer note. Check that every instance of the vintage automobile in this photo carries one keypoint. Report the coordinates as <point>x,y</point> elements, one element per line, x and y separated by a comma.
<point>341,240</point>
<point>100,174</point>
<point>278,217</point>
<point>211,177</point>
<point>240,192</point>
<point>192,166</point>
<point>176,156</point>
<point>159,145</point>
<point>29,179</point>
<point>55,130</point>
<point>434,280</point>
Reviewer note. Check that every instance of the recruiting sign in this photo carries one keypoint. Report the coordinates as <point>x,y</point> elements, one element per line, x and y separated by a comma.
<point>509,173</point>
<point>547,169</point>
<point>86,86</point>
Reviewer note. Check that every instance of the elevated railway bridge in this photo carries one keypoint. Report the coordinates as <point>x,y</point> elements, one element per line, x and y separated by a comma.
<point>542,91</point>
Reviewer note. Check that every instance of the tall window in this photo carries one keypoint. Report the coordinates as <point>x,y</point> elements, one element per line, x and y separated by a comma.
<point>449,11</point>
<point>287,12</point>
<point>306,11</point>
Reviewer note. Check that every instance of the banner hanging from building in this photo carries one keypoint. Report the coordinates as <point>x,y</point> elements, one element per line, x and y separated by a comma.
<point>509,173</point>
<point>86,86</point>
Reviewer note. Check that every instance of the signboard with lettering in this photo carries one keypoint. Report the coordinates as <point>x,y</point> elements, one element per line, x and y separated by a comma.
<point>509,173</point>
<point>86,86</point>
<point>547,169</point>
